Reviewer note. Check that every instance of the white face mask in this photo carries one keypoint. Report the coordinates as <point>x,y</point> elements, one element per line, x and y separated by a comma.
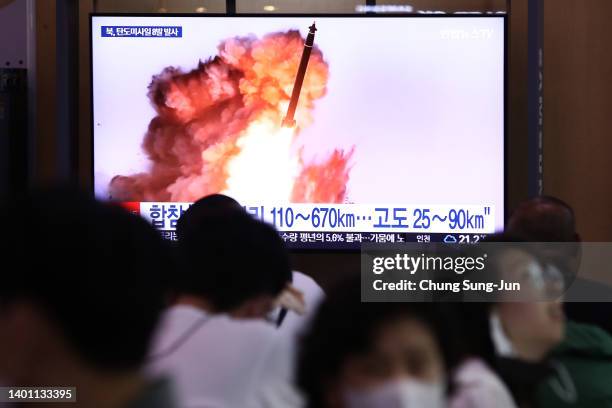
<point>398,394</point>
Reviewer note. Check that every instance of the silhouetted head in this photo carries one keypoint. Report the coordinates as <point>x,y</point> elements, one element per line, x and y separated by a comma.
<point>544,219</point>
<point>230,260</point>
<point>209,207</point>
<point>355,352</point>
<point>82,282</point>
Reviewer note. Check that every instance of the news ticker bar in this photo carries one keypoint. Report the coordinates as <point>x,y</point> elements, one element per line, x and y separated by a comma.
<point>353,240</point>
<point>487,272</point>
<point>358,218</point>
<point>10,395</point>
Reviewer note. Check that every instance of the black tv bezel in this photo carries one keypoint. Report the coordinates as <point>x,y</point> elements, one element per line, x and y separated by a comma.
<point>321,250</point>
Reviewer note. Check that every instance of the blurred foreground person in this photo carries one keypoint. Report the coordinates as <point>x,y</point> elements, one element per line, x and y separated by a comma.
<point>549,219</point>
<point>475,383</point>
<point>213,341</point>
<point>80,300</point>
<point>513,334</point>
<point>530,326</point>
<point>297,303</point>
<point>235,262</point>
<point>516,333</point>
<point>545,361</point>
<point>583,361</point>
<point>374,355</point>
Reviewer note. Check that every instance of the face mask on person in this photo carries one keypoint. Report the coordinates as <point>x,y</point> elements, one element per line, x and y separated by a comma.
<point>398,394</point>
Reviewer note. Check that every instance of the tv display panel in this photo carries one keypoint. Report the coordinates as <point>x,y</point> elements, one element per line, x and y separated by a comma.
<point>398,130</point>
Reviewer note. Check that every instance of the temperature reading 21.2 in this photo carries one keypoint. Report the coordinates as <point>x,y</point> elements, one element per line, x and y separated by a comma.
<point>470,239</point>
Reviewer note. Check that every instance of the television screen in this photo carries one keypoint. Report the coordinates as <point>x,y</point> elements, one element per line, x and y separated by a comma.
<point>339,130</point>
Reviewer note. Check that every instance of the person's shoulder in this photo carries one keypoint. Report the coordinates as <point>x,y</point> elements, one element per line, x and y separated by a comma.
<point>475,372</point>
<point>307,285</point>
<point>585,339</point>
<point>158,393</point>
<point>173,323</point>
<point>249,329</point>
<point>301,279</point>
<point>183,312</point>
<point>477,386</point>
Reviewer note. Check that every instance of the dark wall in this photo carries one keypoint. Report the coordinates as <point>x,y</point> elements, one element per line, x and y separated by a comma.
<point>45,142</point>
<point>578,111</point>
<point>13,96</point>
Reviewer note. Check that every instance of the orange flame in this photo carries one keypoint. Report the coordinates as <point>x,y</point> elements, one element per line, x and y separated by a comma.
<point>218,129</point>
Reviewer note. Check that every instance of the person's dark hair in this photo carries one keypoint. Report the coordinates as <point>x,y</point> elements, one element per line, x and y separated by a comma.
<point>543,219</point>
<point>94,269</point>
<point>345,327</point>
<point>231,258</point>
<point>549,219</point>
<point>211,206</point>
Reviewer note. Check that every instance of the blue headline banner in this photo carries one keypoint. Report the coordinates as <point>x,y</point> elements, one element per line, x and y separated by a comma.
<point>143,31</point>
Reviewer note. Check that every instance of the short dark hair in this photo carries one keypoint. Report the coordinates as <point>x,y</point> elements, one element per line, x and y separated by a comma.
<point>229,257</point>
<point>345,327</point>
<point>94,269</point>
<point>213,205</point>
<point>543,219</point>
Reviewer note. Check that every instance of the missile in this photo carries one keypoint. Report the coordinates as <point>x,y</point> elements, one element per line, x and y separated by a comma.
<point>289,120</point>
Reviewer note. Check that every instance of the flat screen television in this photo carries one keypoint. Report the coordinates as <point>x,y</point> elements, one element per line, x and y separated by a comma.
<point>339,130</point>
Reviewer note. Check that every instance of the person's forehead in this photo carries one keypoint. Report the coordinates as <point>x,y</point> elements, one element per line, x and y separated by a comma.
<point>515,256</point>
<point>404,333</point>
<point>513,261</point>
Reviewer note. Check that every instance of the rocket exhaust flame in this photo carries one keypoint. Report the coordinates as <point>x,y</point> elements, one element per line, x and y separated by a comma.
<point>218,128</point>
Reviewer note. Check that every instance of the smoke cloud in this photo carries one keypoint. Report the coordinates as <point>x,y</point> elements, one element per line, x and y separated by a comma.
<point>217,129</point>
